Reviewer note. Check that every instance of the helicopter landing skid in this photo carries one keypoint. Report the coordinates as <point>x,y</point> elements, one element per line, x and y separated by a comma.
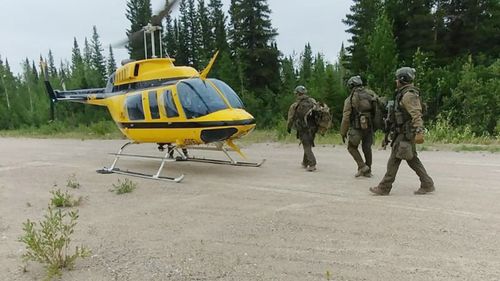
<point>156,176</point>
<point>218,147</point>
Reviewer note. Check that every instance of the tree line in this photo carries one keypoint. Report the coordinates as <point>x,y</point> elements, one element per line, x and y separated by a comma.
<point>454,45</point>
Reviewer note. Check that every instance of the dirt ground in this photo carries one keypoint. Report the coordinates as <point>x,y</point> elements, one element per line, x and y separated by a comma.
<point>276,222</point>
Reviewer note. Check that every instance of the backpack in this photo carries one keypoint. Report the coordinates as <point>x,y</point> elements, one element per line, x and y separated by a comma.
<point>311,114</point>
<point>371,106</point>
<point>303,116</point>
<point>379,112</point>
<point>322,117</point>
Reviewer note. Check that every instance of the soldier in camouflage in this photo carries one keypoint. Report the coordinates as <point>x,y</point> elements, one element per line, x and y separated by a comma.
<point>300,120</point>
<point>357,124</point>
<point>407,129</point>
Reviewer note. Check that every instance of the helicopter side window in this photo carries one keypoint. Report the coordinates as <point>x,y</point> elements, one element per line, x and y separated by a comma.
<point>229,93</point>
<point>153,105</point>
<point>134,107</point>
<point>170,107</point>
<point>199,98</point>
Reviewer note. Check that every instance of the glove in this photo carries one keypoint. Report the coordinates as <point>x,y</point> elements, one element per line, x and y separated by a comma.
<point>289,130</point>
<point>419,136</point>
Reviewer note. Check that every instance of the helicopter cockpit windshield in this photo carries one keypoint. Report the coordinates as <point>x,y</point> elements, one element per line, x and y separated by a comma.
<point>229,93</point>
<point>199,98</point>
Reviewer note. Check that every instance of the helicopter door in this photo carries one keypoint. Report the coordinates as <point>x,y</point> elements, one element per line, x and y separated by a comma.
<point>171,110</point>
<point>135,109</point>
<point>154,110</point>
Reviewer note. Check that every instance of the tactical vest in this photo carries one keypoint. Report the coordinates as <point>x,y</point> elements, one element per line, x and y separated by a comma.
<point>400,117</point>
<point>362,113</point>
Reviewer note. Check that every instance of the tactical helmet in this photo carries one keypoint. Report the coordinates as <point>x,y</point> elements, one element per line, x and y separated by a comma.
<point>405,74</point>
<point>354,81</point>
<point>301,90</point>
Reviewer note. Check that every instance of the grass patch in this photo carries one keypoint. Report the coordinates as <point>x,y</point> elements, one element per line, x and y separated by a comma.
<point>58,129</point>
<point>465,147</point>
<point>48,241</point>
<point>122,187</point>
<point>72,182</point>
<point>62,199</point>
<point>441,131</point>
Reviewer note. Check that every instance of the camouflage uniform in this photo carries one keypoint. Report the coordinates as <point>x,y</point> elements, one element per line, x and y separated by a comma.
<point>306,131</point>
<point>358,106</point>
<point>407,122</point>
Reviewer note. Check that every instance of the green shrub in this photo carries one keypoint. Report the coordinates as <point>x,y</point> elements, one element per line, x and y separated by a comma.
<point>443,131</point>
<point>102,128</point>
<point>125,186</point>
<point>63,199</point>
<point>72,182</point>
<point>49,244</point>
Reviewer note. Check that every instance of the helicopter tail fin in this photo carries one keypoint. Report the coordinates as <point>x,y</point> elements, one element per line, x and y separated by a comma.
<point>207,69</point>
<point>49,89</point>
<point>48,86</point>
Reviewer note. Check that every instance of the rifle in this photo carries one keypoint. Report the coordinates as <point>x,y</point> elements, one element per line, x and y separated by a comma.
<point>388,124</point>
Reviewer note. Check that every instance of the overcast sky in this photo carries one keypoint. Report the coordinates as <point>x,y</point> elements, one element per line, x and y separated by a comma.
<point>29,28</point>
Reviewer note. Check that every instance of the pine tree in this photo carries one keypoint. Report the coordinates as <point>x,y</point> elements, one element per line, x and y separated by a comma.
<point>306,65</point>
<point>51,65</point>
<point>170,39</point>
<point>256,53</point>
<point>34,71</point>
<point>360,22</point>
<point>139,14</point>
<point>382,56</point>
<point>206,42</point>
<point>288,83</point>
<point>471,27</point>
<point>341,64</point>
<point>98,64</point>
<point>111,65</point>
<point>87,54</point>
<point>217,19</point>
<point>78,78</point>
<point>252,36</point>
<point>193,34</point>
<point>413,23</point>
<point>4,77</point>
<point>318,78</point>
<point>184,55</point>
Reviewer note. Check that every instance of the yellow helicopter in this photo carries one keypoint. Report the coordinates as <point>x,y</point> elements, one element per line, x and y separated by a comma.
<point>154,101</point>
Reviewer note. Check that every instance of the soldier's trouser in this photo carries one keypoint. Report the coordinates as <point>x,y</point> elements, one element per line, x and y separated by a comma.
<point>426,181</point>
<point>365,137</point>
<point>307,140</point>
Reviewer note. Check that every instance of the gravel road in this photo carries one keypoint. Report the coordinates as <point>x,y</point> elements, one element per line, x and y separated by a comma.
<point>276,222</point>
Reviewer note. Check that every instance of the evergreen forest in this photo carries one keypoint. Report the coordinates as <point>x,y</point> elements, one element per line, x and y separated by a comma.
<point>453,44</point>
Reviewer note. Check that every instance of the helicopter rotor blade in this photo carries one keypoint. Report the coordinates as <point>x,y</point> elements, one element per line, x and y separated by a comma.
<point>155,20</point>
<point>161,14</point>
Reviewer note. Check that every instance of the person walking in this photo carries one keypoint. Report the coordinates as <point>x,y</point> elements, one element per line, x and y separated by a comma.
<point>357,124</point>
<point>407,129</point>
<point>301,119</point>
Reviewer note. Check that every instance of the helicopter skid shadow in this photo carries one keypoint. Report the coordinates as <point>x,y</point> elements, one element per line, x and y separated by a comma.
<point>221,162</point>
